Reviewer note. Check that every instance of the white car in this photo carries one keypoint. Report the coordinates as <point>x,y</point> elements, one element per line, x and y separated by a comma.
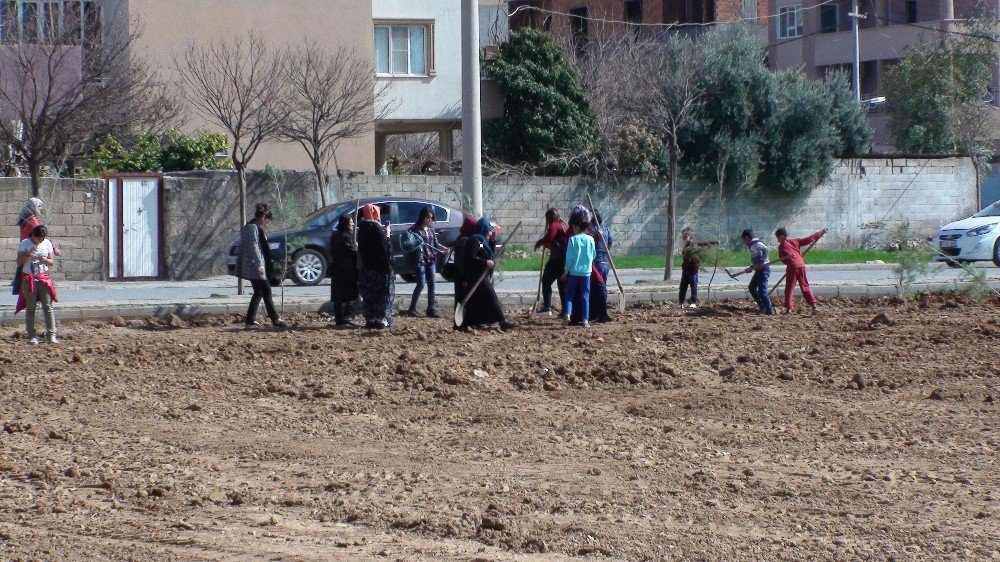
<point>976,238</point>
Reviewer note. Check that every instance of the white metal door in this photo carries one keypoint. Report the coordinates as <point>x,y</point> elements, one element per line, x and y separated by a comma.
<point>140,214</point>
<point>114,220</point>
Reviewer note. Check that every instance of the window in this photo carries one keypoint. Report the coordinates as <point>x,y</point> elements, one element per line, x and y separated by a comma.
<point>790,21</point>
<point>903,11</point>
<point>829,18</point>
<point>579,28</point>
<point>410,210</point>
<point>70,22</point>
<point>633,15</point>
<point>404,49</point>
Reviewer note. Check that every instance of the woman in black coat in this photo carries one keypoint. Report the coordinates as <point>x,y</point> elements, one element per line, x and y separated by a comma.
<point>344,271</point>
<point>375,275</point>
<point>476,258</point>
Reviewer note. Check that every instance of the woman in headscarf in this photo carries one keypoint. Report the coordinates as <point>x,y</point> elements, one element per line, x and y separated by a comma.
<point>344,270</point>
<point>255,265</point>
<point>375,276</point>
<point>30,216</point>
<point>483,306</point>
<point>464,235</point>
<point>555,239</point>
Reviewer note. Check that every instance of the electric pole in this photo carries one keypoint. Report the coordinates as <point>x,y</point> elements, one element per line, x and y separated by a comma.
<point>855,16</point>
<point>472,124</point>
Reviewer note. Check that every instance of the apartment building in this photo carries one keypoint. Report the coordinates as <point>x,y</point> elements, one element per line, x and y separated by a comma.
<point>817,35</point>
<point>418,47</point>
<point>583,20</point>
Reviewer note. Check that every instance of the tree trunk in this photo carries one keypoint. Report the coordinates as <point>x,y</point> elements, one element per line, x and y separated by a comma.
<point>34,171</point>
<point>320,184</point>
<point>668,269</point>
<point>241,182</point>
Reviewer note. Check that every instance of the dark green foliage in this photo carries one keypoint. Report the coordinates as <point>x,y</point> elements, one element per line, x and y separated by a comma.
<point>847,117</point>
<point>546,114</point>
<point>736,105</point>
<point>938,93</point>
<point>801,138</point>
<point>173,152</point>
<point>639,153</point>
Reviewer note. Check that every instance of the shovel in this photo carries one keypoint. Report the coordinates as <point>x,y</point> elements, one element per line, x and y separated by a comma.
<point>460,309</point>
<point>621,301</point>
<point>538,295</point>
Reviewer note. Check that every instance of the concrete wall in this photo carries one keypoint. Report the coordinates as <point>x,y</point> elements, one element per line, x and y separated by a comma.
<point>927,192</point>
<point>74,215</point>
<point>201,216</point>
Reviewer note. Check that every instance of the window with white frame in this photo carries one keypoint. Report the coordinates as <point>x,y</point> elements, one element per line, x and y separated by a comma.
<point>404,48</point>
<point>74,22</point>
<point>790,21</point>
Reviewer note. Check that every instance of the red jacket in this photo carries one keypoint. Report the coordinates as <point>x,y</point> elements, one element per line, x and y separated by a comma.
<point>790,253</point>
<point>28,226</point>
<point>555,238</point>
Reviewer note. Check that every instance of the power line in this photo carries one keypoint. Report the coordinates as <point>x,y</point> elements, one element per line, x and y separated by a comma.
<point>529,8</point>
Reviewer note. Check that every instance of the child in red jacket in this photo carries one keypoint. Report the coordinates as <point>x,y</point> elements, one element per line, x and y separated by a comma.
<point>790,253</point>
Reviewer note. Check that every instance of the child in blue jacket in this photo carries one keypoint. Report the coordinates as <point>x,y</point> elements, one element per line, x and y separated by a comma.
<point>580,253</point>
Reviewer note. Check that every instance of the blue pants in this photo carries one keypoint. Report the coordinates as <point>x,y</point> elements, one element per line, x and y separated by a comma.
<point>758,290</point>
<point>578,286</point>
<point>424,275</point>
<point>688,280</point>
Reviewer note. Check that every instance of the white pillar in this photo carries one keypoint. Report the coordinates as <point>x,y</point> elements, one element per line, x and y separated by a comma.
<point>472,134</point>
<point>855,16</point>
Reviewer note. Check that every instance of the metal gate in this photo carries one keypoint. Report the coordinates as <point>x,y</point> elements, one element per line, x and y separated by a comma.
<point>135,226</point>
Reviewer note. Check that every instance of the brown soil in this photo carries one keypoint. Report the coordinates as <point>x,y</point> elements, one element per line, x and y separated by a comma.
<point>716,434</point>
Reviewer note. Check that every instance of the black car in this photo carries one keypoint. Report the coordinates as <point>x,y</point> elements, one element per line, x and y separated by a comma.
<point>311,244</point>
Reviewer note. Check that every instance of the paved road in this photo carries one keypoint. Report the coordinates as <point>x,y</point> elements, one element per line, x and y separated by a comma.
<point>224,287</point>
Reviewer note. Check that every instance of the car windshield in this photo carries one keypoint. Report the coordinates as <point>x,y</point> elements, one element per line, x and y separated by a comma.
<point>327,215</point>
<point>991,211</point>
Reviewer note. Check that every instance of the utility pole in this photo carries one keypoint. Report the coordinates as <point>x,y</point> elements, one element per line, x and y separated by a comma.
<point>855,15</point>
<point>472,124</point>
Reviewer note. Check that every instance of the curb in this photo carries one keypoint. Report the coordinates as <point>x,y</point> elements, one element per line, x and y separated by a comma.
<point>658,295</point>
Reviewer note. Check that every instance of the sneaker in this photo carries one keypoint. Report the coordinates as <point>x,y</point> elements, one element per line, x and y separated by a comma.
<point>814,309</point>
<point>544,312</point>
<point>279,323</point>
<point>605,319</point>
<point>679,306</point>
<point>693,305</point>
<point>586,324</point>
<point>34,341</point>
<point>408,313</point>
<point>431,313</point>
<point>53,338</point>
<point>505,326</point>
<point>565,321</point>
<point>253,324</point>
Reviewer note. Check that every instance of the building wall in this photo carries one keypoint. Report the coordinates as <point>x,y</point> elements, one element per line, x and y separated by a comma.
<point>168,27</point>
<point>201,217</point>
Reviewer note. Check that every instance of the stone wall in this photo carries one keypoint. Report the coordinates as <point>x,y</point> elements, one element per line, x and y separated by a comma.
<point>861,193</point>
<point>201,218</point>
<point>74,216</point>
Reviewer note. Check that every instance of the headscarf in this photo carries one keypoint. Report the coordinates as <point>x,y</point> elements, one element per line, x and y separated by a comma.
<point>468,227</point>
<point>32,208</point>
<point>482,233</point>
<point>372,213</point>
<point>580,216</point>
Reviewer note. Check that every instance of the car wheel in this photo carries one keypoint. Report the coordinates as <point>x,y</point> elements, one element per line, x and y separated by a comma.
<point>996,253</point>
<point>308,267</point>
<point>408,277</point>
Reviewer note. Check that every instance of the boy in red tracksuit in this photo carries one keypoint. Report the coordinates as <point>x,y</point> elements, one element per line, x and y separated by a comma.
<point>790,253</point>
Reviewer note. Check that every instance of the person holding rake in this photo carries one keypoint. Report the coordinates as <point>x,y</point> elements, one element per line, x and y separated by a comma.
<point>790,253</point>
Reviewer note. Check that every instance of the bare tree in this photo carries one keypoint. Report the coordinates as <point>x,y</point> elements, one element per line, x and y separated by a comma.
<point>236,83</point>
<point>332,98</point>
<point>669,97</point>
<point>64,89</point>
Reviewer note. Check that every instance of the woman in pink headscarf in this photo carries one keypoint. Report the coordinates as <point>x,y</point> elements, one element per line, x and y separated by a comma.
<point>376,277</point>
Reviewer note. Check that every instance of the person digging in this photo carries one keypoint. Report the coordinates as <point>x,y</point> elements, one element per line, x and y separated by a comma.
<point>790,254</point>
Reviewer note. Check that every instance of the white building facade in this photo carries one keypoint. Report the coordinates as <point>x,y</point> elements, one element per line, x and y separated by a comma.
<point>418,63</point>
